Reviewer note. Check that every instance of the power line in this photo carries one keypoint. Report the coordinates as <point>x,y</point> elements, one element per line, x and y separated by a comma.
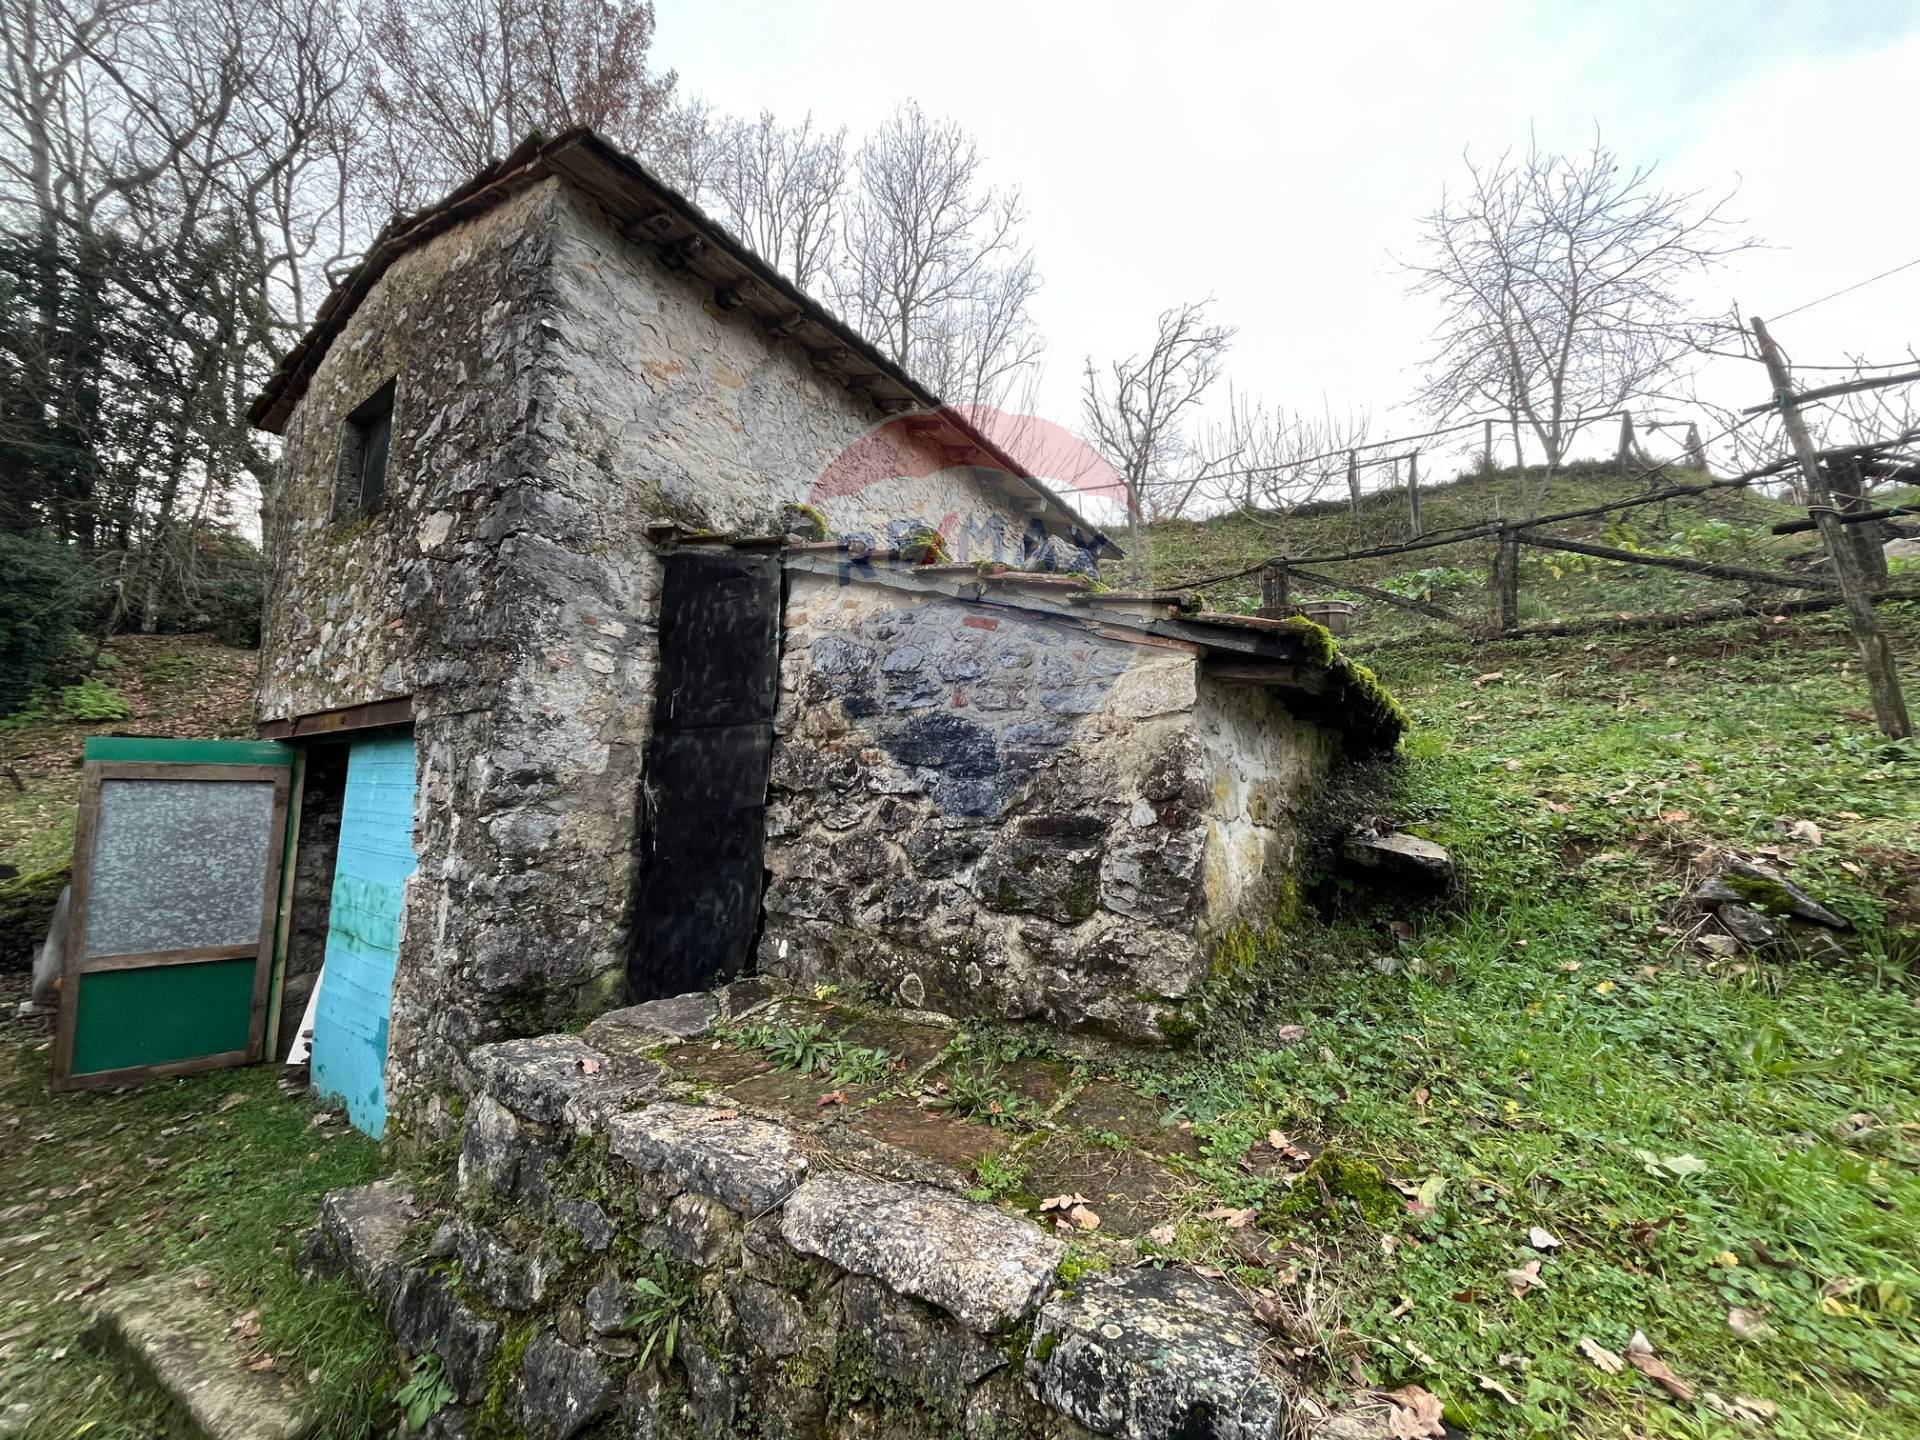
<point>1849,289</point>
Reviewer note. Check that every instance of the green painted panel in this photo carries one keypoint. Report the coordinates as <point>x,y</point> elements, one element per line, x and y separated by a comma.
<point>161,1013</point>
<point>146,750</point>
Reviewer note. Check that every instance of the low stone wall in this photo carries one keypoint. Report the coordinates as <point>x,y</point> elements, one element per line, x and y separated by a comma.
<point>619,1256</point>
<point>985,809</point>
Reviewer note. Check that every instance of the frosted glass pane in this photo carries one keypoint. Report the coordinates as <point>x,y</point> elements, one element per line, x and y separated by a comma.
<point>178,865</point>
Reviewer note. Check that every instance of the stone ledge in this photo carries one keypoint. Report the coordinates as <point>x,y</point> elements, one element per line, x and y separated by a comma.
<point>557,1080</point>
<point>175,1330</point>
<point>747,1165</point>
<point>986,1268</point>
<point>1152,1353</point>
<point>368,1226</point>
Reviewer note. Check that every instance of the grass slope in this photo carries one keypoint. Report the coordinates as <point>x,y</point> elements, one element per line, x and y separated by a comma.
<point>1727,525</point>
<point>1702,1136</point>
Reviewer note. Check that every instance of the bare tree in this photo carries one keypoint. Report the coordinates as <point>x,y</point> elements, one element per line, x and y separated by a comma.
<point>933,269</point>
<point>456,84</point>
<point>1283,460</point>
<point>781,188</point>
<point>1562,287</point>
<point>1137,413</point>
<point>687,146</point>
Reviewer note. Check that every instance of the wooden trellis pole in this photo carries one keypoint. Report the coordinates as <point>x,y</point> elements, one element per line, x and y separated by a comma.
<point>1876,651</point>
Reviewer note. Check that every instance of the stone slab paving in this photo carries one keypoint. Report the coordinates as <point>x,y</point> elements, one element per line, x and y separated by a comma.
<point>182,1337</point>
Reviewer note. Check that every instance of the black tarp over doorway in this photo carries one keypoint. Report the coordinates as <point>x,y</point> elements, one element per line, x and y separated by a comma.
<point>703,806</point>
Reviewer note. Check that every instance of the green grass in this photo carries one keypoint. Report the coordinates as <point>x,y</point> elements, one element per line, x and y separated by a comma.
<point>103,1187</point>
<point>1551,1050</point>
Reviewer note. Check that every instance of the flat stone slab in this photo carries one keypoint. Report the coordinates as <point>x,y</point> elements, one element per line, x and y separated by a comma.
<point>747,1165</point>
<point>557,1080</point>
<point>1751,884</point>
<point>655,1022</point>
<point>1152,1353</point>
<point>1407,857</point>
<point>182,1336</point>
<point>368,1225</point>
<point>986,1268</point>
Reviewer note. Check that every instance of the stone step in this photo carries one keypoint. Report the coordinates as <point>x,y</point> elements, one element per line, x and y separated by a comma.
<point>174,1328</point>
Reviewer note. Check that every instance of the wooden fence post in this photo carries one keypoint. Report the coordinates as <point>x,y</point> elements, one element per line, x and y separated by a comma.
<point>1353,478</point>
<point>1625,454</point>
<point>1696,452</point>
<point>1876,651</point>
<point>1276,601</point>
<point>1866,536</point>
<point>1486,446</point>
<point>1413,493</point>
<point>1506,581</point>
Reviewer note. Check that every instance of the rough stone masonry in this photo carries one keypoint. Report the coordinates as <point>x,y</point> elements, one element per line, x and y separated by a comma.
<point>814,1287</point>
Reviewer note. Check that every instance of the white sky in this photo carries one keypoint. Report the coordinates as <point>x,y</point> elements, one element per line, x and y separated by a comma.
<point>1276,156</point>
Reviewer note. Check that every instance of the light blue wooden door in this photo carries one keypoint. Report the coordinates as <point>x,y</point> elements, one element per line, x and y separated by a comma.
<point>363,930</point>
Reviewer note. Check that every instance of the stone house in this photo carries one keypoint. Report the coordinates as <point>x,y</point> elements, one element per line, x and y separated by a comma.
<point>564,745</point>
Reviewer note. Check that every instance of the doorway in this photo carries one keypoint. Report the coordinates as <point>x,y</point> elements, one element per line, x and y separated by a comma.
<point>704,798</point>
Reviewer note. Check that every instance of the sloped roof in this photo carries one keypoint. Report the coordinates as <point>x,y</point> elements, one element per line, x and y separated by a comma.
<point>1293,657</point>
<point>649,212</point>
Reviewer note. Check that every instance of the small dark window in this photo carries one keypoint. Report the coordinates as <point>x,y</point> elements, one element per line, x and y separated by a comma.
<point>360,486</point>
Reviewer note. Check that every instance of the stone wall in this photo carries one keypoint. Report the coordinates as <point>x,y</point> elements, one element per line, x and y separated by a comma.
<point>985,809</point>
<point>557,388</point>
<point>811,1290</point>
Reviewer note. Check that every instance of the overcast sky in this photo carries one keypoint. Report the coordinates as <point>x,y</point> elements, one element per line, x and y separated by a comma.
<point>1276,156</point>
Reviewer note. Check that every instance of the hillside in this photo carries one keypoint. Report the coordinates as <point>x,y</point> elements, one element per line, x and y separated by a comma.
<point>179,685</point>
<point>1726,526</point>
<point>1598,1120</point>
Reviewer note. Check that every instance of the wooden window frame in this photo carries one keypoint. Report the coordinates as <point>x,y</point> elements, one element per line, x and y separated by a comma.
<point>350,500</point>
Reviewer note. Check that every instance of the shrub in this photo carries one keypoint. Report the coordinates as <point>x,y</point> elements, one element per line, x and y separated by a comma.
<point>44,589</point>
<point>91,700</point>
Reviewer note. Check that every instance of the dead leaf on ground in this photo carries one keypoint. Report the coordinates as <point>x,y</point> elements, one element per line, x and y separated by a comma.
<point>1744,1408</point>
<point>1081,1218</point>
<point>1162,1234</point>
<point>1640,1355</point>
<point>1526,1278</point>
<point>1604,1360</point>
<point>1489,677</point>
<point>1806,832</point>
<point>589,1064</point>
<point>1675,817</point>
<point>1542,1238</point>
<point>1291,1034</point>
<point>238,1097</point>
<point>1285,1146</point>
<point>1235,1219</point>
<point>1748,1324</point>
<point>260,1363</point>
<point>728,1114</point>
<point>834,1097</point>
<point>1416,1413</point>
<point>1061,1202</point>
<point>1488,1383</point>
<point>246,1326</point>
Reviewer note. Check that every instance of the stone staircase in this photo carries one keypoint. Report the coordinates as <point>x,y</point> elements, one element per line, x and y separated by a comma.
<point>793,1281</point>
